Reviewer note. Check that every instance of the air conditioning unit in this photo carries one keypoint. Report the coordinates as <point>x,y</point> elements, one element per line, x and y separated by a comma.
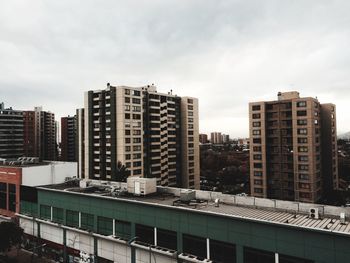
<point>342,218</point>
<point>141,186</point>
<point>313,213</point>
<point>187,195</point>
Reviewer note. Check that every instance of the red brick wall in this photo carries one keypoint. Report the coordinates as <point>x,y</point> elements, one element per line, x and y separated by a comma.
<point>11,175</point>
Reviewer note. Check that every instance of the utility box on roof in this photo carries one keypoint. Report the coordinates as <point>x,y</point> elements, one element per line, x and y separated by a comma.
<point>141,186</point>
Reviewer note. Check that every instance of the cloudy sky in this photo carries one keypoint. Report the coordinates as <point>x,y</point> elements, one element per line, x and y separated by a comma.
<point>226,53</point>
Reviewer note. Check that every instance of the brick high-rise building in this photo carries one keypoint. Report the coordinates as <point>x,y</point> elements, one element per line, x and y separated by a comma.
<point>11,133</point>
<point>293,148</point>
<point>216,138</point>
<point>203,138</point>
<point>153,134</point>
<point>68,138</point>
<point>40,134</point>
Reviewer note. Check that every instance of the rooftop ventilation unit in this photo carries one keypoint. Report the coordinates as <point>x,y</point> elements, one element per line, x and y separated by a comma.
<point>141,186</point>
<point>314,213</point>
<point>342,218</point>
<point>187,195</point>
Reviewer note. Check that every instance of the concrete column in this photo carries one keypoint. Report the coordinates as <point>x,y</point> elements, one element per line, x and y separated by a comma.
<point>51,217</point>
<point>79,219</point>
<point>277,260</point>
<point>132,249</point>
<point>113,227</point>
<point>239,254</point>
<point>64,245</point>
<point>155,236</point>
<point>208,248</point>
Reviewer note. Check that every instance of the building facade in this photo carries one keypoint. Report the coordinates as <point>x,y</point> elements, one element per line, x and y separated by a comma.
<point>76,223</point>
<point>216,138</point>
<point>40,134</point>
<point>149,134</point>
<point>68,138</point>
<point>292,143</point>
<point>11,133</point>
<point>203,138</point>
<point>19,174</point>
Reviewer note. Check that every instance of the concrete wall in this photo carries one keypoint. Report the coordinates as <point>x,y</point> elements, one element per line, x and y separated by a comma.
<point>53,173</point>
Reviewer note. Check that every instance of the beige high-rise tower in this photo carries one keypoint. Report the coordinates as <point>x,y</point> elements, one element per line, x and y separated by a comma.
<point>152,134</point>
<point>293,149</point>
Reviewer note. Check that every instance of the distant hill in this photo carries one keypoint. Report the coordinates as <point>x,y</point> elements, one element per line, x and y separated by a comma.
<point>344,136</point>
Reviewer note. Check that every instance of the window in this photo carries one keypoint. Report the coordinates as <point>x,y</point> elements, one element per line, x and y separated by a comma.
<point>303,149</point>
<point>256,148</point>
<point>144,233</point>
<point>127,156</point>
<point>301,104</point>
<point>222,252</point>
<point>258,182</point>
<point>45,212</point>
<point>127,107</point>
<point>303,167</point>
<point>167,239</point>
<point>127,132</point>
<point>195,246</point>
<point>256,132</point>
<point>190,101</point>
<point>136,93</point>
<point>136,132</point>
<point>302,140</point>
<point>87,221</point>
<point>127,100</point>
<point>127,116</point>
<point>256,140</point>
<point>258,173</point>
<point>136,116</point>
<point>252,255</point>
<point>72,218</point>
<point>256,123</point>
<point>127,92</point>
<point>316,122</point>
<point>136,156</point>
<point>127,148</point>
<point>258,190</point>
<point>136,101</point>
<point>302,131</point>
<point>302,122</point>
<point>257,165</point>
<point>303,176</point>
<point>137,148</point>
<point>136,140</point>
<point>256,116</point>
<point>301,113</point>
<point>12,197</point>
<point>303,158</point>
<point>123,229</point>
<point>256,107</point>
<point>136,108</point>
<point>57,215</point>
<point>257,156</point>
<point>105,226</point>
<point>189,107</point>
<point>127,140</point>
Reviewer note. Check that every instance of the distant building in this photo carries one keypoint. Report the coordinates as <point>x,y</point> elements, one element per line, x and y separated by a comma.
<point>15,175</point>
<point>152,134</point>
<point>216,138</point>
<point>68,138</point>
<point>11,133</point>
<point>40,134</point>
<point>293,148</point>
<point>80,143</point>
<point>203,138</point>
<point>225,138</point>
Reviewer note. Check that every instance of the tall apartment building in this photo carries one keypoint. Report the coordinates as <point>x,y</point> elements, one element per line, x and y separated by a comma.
<point>203,138</point>
<point>40,134</point>
<point>80,142</point>
<point>293,148</point>
<point>216,138</point>
<point>153,134</point>
<point>68,138</point>
<point>225,138</point>
<point>11,132</point>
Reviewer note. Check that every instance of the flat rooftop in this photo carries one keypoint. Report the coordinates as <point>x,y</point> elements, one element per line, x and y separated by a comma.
<point>268,211</point>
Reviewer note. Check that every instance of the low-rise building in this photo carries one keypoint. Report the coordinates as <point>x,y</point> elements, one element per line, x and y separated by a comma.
<point>19,174</point>
<point>118,222</point>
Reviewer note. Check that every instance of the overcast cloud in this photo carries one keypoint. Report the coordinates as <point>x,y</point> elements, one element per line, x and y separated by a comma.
<point>226,53</point>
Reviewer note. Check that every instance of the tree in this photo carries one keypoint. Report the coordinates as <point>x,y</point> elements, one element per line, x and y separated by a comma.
<point>122,172</point>
<point>11,235</point>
